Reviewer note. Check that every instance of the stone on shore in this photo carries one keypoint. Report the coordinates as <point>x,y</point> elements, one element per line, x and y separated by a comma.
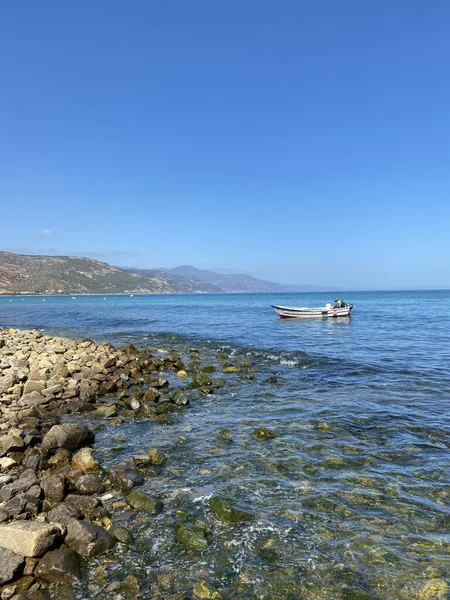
<point>54,488</point>
<point>11,565</point>
<point>63,514</point>
<point>69,435</point>
<point>62,566</point>
<point>86,539</point>
<point>89,484</point>
<point>85,461</point>
<point>29,538</point>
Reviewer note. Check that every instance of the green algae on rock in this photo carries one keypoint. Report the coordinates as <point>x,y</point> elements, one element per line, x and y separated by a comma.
<point>144,502</point>
<point>262,433</point>
<point>191,536</point>
<point>224,511</point>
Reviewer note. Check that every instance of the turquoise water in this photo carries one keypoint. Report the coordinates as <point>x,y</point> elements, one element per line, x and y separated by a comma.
<point>350,499</point>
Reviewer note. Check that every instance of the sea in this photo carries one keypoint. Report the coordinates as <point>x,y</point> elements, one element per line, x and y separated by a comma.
<point>350,499</point>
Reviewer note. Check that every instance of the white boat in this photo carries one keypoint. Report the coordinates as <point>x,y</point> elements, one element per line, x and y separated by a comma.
<point>303,312</point>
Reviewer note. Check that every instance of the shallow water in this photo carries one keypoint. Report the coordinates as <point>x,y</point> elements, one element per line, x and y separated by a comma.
<point>350,499</point>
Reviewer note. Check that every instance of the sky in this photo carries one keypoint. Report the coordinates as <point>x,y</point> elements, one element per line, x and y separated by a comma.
<point>301,142</point>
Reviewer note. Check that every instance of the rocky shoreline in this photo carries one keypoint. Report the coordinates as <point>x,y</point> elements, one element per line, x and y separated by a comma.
<point>53,516</point>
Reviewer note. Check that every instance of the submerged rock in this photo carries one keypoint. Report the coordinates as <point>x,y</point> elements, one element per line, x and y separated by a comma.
<point>225,436</point>
<point>190,536</point>
<point>144,502</point>
<point>262,433</point>
<point>156,457</point>
<point>178,398</point>
<point>224,511</point>
<point>120,534</point>
<point>203,590</point>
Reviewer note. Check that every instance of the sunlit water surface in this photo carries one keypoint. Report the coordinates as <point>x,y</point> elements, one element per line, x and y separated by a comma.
<point>350,499</point>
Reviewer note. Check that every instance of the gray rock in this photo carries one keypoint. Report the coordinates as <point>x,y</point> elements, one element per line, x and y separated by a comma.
<point>11,443</point>
<point>85,504</point>
<point>18,486</point>
<point>11,565</point>
<point>7,381</point>
<point>63,514</point>
<point>34,385</point>
<point>124,479</point>
<point>61,566</point>
<point>22,504</point>
<point>4,516</point>
<point>89,484</point>
<point>28,538</point>
<point>54,487</point>
<point>31,399</point>
<point>86,539</point>
<point>69,435</point>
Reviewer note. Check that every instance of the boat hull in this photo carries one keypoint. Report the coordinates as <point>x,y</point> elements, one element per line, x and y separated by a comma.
<point>295,312</point>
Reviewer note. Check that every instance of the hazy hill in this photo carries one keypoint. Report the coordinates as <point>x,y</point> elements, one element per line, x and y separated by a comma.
<point>178,283</point>
<point>237,282</point>
<point>21,273</point>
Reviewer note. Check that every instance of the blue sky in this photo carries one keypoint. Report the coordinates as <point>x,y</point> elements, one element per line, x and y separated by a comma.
<point>303,142</point>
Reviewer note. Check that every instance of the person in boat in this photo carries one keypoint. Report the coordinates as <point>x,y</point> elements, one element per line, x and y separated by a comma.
<point>339,303</point>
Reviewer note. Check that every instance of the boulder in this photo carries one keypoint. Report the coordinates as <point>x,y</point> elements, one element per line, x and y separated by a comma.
<point>11,443</point>
<point>21,485</point>
<point>63,513</point>
<point>69,435</point>
<point>28,538</point>
<point>34,385</point>
<point>86,539</point>
<point>89,484</point>
<point>32,399</point>
<point>61,566</point>
<point>85,461</point>
<point>10,565</point>
<point>54,487</point>
<point>85,504</point>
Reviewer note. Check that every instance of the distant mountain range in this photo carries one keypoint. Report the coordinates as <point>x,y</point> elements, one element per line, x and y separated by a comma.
<point>29,274</point>
<point>237,282</point>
